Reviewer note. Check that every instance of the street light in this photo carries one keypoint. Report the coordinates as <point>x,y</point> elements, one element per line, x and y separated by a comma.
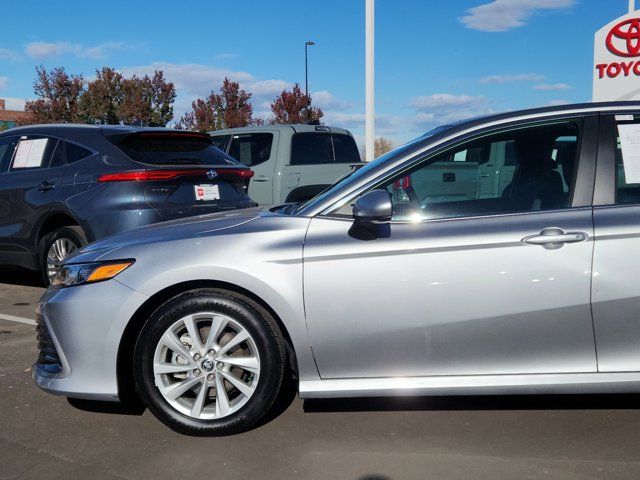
<point>306,74</point>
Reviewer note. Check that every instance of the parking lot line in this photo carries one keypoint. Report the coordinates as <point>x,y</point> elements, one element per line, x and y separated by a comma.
<point>12,318</point>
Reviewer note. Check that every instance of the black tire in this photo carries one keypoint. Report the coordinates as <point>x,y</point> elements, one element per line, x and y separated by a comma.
<point>73,233</point>
<point>258,323</point>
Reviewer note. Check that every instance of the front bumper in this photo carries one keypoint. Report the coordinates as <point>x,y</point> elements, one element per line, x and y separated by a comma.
<point>80,329</point>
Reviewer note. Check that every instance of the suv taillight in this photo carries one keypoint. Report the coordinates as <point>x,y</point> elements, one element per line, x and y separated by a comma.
<point>155,175</point>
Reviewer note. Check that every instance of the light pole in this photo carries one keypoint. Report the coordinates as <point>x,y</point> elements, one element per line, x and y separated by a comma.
<point>632,6</point>
<point>306,75</point>
<point>369,93</point>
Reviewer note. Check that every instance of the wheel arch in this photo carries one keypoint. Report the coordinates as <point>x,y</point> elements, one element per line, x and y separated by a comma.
<point>124,366</point>
<point>54,220</point>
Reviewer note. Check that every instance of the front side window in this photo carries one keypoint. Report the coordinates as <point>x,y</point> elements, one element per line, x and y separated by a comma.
<point>523,170</point>
<point>220,141</point>
<point>251,148</point>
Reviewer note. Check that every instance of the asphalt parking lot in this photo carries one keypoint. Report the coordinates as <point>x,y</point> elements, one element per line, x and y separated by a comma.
<point>563,437</point>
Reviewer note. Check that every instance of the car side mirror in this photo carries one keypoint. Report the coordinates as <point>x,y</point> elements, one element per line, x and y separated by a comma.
<point>373,207</point>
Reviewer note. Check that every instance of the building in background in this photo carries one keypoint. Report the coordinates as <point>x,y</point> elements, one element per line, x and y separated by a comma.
<point>9,118</point>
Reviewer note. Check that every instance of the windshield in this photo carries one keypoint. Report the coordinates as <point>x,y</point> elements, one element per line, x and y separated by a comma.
<point>173,149</point>
<point>361,172</point>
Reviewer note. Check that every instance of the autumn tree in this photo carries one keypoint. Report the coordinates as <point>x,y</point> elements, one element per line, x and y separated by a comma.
<point>110,98</point>
<point>294,107</point>
<point>382,146</point>
<point>58,97</point>
<point>147,100</point>
<point>231,108</point>
<point>103,98</point>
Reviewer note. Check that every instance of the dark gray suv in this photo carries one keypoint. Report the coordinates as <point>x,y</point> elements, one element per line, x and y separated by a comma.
<point>63,186</point>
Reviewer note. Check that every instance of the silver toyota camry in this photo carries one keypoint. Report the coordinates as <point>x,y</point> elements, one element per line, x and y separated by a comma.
<point>496,255</point>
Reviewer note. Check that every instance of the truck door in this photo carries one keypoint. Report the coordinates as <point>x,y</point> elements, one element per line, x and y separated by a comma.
<point>259,151</point>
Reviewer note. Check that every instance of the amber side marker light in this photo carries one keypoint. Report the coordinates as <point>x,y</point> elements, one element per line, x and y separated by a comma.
<point>105,272</point>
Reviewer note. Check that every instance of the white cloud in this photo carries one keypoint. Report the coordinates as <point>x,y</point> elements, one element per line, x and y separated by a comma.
<point>44,50</point>
<point>443,108</point>
<point>518,77</point>
<point>555,103</point>
<point>502,15</point>
<point>4,82</point>
<point>327,101</point>
<point>552,86</point>
<point>445,100</point>
<point>6,54</point>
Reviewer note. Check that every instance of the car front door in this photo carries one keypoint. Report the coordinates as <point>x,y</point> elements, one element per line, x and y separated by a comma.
<point>457,283</point>
<point>27,190</point>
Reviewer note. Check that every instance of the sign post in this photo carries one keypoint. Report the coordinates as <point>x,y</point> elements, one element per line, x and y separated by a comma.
<point>616,73</point>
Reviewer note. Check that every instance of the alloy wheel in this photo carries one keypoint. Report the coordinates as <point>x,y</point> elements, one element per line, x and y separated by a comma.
<point>206,366</point>
<point>58,251</point>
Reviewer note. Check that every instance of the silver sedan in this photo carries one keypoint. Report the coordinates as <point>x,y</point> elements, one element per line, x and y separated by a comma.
<point>490,256</point>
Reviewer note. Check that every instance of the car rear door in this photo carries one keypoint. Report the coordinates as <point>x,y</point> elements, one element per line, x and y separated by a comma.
<point>458,286</point>
<point>29,187</point>
<point>616,259</point>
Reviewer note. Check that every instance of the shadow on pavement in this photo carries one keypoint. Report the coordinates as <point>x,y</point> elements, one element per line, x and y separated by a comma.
<point>503,402</point>
<point>129,408</point>
<point>20,276</point>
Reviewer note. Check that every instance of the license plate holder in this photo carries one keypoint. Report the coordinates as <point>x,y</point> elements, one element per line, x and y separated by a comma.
<point>206,193</point>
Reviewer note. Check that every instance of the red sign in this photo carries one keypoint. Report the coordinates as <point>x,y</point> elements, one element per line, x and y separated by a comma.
<point>628,32</point>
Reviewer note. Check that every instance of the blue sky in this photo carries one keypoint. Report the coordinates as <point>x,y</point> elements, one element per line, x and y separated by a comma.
<point>436,60</point>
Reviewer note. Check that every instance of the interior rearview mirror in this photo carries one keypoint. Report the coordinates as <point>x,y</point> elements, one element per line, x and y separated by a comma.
<point>373,207</point>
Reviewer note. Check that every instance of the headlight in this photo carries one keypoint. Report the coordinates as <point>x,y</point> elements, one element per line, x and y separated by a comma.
<point>80,273</point>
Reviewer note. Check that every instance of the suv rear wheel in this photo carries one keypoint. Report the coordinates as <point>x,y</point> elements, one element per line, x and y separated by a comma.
<point>56,246</point>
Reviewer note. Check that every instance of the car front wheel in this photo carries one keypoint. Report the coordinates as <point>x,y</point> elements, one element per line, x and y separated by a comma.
<point>209,362</point>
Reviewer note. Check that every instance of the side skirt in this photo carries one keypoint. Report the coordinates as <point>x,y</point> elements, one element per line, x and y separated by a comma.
<point>565,383</point>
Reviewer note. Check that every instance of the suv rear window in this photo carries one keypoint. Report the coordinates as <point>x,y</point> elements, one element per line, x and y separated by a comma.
<point>317,148</point>
<point>173,149</point>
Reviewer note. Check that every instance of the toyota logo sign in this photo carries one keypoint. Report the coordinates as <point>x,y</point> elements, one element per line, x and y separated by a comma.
<point>624,38</point>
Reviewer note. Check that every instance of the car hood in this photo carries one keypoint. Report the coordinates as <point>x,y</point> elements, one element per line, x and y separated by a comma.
<point>172,230</point>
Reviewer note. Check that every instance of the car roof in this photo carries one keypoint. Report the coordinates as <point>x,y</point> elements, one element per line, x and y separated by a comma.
<point>575,108</point>
<point>294,128</point>
<point>62,128</point>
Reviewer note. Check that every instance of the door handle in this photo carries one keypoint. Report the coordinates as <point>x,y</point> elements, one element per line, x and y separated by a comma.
<point>554,238</point>
<point>46,186</point>
<point>261,178</point>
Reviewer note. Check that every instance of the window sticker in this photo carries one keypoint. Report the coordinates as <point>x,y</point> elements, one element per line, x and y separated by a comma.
<point>630,145</point>
<point>30,153</point>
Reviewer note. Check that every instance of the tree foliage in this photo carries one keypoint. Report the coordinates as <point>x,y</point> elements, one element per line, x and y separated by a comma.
<point>382,146</point>
<point>294,107</point>
<point>231,108</point>
<point>110,98</point>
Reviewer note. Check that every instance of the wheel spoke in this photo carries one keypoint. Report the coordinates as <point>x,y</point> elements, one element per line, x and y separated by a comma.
<point>194,333</point>
<point>247,363</point>
<point>245,389</point>
<point>217,325</point>
<point>222,401</point>
<point>237,340</point>
<point>172,342</point>
<point>177,389</point>
<point>198,403</point>
<point>162,368</point>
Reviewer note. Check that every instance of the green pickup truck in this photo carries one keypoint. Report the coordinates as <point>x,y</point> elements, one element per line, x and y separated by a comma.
<point>292,163</point>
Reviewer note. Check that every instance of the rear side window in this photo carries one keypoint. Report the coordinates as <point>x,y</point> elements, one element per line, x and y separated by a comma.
<point>251,148</point>
<point>172,149</point>
<point>75,152</point>
<point>220,141</point>
<point>33,152</point>
<point>628,161</point>
<point>318,148</point>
